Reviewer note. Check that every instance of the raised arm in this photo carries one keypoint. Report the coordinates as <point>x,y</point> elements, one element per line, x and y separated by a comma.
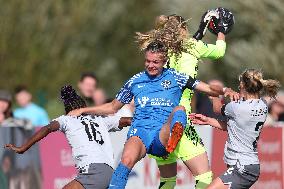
<point>211,51</point>
<point>215,90</point>
<point>43,132</point>
<point>203,120</point>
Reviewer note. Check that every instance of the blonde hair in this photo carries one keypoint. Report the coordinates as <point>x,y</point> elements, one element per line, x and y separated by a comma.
<point>168,31</point>
<point>254,83</point>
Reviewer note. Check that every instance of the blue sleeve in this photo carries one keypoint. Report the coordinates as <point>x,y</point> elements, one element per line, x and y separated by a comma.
<point>180,78</point>
<point>125,94</point>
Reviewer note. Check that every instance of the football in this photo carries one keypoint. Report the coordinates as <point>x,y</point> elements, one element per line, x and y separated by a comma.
<point>224,23</point>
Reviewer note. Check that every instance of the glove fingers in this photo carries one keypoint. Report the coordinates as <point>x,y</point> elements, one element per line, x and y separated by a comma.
<point>223,23</point>
<point>209,15</point>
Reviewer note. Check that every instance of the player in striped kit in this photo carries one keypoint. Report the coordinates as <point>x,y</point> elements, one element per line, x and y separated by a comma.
<point>89,139</point>
<point>245,119</point>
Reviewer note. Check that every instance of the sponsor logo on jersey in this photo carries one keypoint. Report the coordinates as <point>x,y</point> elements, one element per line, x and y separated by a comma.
<point>166,84</point>
<point>154,101</point>
<point>143,101</point>
<point>161,102</point>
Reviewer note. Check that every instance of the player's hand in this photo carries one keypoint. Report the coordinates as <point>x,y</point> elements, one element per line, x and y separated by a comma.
<point>198,119</point>
<point>14,148</point>
<point>76,112</point>
<point>233,95</point>
<point>206,17</point>
<point>223,23</point>
<point>226,20</point>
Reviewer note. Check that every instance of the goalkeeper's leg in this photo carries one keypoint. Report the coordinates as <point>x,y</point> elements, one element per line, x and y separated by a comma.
<point>167,183</point>
<point>199,167</point>
<point>168,176</point>
<point>203,180</point>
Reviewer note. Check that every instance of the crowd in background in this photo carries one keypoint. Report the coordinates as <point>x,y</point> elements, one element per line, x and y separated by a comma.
<point>28,114</point>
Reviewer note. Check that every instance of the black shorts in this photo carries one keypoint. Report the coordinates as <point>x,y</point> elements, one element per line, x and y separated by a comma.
<point>97,177</point>
<point>241,176</point>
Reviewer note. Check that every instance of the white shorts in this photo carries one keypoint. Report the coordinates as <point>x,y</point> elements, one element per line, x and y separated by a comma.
<point>97,177</point>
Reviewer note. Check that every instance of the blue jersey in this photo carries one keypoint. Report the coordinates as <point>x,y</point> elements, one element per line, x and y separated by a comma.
<point>154,97</point>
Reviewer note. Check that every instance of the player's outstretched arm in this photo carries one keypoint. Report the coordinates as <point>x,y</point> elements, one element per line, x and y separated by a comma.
<point>43,132</point>
<point>124,122</point>
<point>104,109</point>
<point>200,119</point>
<point>215,90</point>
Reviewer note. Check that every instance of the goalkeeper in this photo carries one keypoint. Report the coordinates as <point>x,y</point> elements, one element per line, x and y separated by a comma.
<point>184,55</point>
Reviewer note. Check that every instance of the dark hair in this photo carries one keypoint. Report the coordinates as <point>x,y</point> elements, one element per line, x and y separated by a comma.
<point>8,113</point>
<point>156,46</point>
<point>20,88</point>
<point>71,99</point>
<point>281,117</point>
<point>88,74</point>
<point>6,96</point>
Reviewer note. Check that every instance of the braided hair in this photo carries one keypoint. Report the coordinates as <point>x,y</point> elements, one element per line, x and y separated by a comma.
<point>71,99</point>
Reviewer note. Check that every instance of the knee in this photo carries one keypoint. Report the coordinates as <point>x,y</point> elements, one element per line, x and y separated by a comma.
<point>128,160</point>
<point>67,187</point>
<point>177,108</point>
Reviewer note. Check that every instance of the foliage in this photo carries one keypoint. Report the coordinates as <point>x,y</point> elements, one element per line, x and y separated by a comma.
<point>46,44</point>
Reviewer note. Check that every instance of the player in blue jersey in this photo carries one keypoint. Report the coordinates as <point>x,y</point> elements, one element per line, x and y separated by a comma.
<point>158,121</point>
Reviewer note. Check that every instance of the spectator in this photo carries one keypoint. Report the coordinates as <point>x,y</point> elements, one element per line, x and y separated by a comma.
<point>275,110</point>
<point>6,115</point>
<point>6,169</point>
<point>203,105</point>
<point>5,105</point>
<point>99,97</point>
<point>87,86</point>
<point>29,110</point>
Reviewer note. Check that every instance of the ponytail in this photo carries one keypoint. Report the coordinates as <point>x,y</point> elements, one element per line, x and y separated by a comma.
<point>270,87</point>
<point>254,83</point>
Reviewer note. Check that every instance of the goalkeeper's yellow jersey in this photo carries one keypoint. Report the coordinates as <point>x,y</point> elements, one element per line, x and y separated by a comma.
<point>188,63</point>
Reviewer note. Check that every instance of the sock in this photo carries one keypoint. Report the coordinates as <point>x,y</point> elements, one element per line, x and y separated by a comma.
<point>167,183</point>
<point>119,177</point>
<point>203,180</point>
<point>179,116</point>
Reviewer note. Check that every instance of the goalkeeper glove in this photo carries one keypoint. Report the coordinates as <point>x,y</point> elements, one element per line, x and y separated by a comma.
<point>206,17</point>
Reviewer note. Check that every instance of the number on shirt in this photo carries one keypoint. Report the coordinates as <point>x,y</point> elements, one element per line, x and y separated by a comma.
<point>132,132</point>
<point>229,171</point>
<point>257,127</point>
<point>94,134</point>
